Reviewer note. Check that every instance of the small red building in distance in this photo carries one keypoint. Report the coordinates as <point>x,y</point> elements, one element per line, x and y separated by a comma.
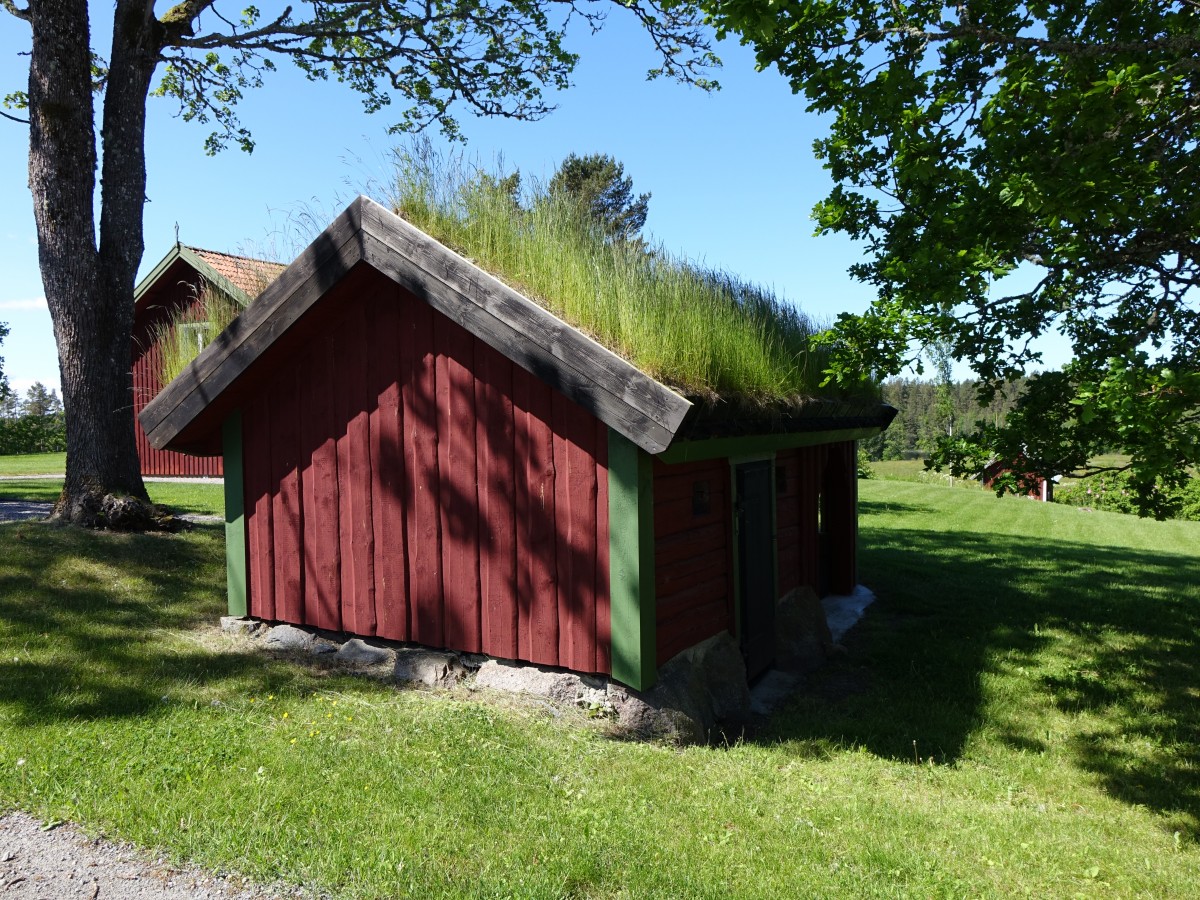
<point>415,451</point>
<point>177,284</point>
<point>1039,488</point>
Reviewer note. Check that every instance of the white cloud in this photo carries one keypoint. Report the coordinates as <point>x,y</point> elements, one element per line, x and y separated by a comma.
<point>30,303</point>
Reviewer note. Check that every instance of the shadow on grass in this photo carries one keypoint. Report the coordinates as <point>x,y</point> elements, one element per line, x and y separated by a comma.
<point>88,623</point>
<point>1110,638</point>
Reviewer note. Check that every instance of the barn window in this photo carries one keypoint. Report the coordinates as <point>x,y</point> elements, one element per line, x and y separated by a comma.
<point>700,498</point>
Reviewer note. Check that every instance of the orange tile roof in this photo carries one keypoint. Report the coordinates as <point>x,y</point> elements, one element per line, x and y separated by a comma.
<point>250,275</point>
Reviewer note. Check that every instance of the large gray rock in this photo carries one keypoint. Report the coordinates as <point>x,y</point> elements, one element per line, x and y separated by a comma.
<point>294,639</point>
<point>289,637</point>
<point>241,625</point>
<point>802,638</point>
<point>695,690</point>
<point>655,715</point>
<point>567,688</point>
<point>357,652</point>
<point>432,668</point>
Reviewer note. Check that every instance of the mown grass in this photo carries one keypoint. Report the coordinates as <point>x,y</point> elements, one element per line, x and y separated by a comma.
<point>33,464</point>
<point>1017,716</point>
<point>914,470</point>
<point>698,330</point>
<point>180,497</point>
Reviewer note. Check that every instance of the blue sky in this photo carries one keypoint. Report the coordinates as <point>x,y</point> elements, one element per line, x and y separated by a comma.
<point>732,175</point>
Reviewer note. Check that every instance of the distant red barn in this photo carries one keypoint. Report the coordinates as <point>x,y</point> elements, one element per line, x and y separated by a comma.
<point>179,284</point>
<point>1039,488</point>
<point>415,451</point>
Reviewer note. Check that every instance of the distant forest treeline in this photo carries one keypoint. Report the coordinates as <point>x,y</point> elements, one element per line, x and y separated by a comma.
<point>928,410</point>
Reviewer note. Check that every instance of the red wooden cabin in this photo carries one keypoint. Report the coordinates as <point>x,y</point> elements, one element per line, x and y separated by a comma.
<point>175,285</point>
<point>415,451</point>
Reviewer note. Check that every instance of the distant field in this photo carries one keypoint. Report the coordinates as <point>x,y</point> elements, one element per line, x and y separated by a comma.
<point>914,470</point>
<point>33,464</point>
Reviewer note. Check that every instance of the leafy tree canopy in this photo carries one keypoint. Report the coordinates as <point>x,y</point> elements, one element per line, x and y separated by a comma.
<point>599,184</point>
<point>41,401</point>
<point>1052,141</point>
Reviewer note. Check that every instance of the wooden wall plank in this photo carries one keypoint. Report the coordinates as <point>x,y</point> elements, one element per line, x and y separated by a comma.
<point>356,535</point>
<point>693,568</point>
<point>575,504</point>
<point>256,430</point>
<point>841,517</point>
<point>811,468</point>
<point>602,650</point>
<point>495,439</point>
<point>421,475</point>
<point>787,519</point>
<point>287,525</point>
<point>457,505</point>
<point>391,608</point>
<point>537,626</point>
<point>319,485</point>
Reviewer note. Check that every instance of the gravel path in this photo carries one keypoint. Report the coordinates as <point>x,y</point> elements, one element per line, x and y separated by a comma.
<point>16,510</point>
<point>62,864</point>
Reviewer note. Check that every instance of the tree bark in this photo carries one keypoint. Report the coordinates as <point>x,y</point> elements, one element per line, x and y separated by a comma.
<point>89,288</point>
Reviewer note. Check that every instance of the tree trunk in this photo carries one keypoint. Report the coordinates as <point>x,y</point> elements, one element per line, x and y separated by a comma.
<point>89,290</point>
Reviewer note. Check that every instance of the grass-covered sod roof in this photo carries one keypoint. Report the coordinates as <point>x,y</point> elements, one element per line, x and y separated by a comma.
<point>700,331</point>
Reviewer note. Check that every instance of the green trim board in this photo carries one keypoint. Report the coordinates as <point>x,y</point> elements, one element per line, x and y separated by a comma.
<point>235,519</point>
<point>632,607</point>
<point>716,448</point>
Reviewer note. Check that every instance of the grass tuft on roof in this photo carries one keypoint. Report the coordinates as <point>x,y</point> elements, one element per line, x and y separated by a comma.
<point>703,332</point>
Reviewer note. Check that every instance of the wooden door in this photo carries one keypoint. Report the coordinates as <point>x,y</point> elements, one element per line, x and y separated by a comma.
<point>756,563</point>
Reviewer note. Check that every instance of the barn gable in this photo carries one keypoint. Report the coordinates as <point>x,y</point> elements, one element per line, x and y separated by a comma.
<point>404,480</point>
<point>173,287</point>
<point>189,410</point>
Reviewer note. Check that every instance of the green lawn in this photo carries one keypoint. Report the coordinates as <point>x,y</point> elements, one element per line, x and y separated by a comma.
<point>1018,715</point>
<point>182,497</point>
<point>33,464</point>
<point>914,470</point>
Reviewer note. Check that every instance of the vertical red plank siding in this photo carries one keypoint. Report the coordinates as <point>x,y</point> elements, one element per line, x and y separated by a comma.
<point>470,499</point>
<point>575,503</point>
<point>356,538</point>
<point>841,484</point>
<point>319,490</point>
<point>811,467</point>
<point>456,469</point>
<point>257,471</point>
<point>603,656</point>
<point>537,574</point>
<point>287,526</point>
<point>389,614</point>
<point>421,473</point>
<point>494,441</point>
<point>691,565</point>
<point>787,519</point>
<point>146,357</point>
